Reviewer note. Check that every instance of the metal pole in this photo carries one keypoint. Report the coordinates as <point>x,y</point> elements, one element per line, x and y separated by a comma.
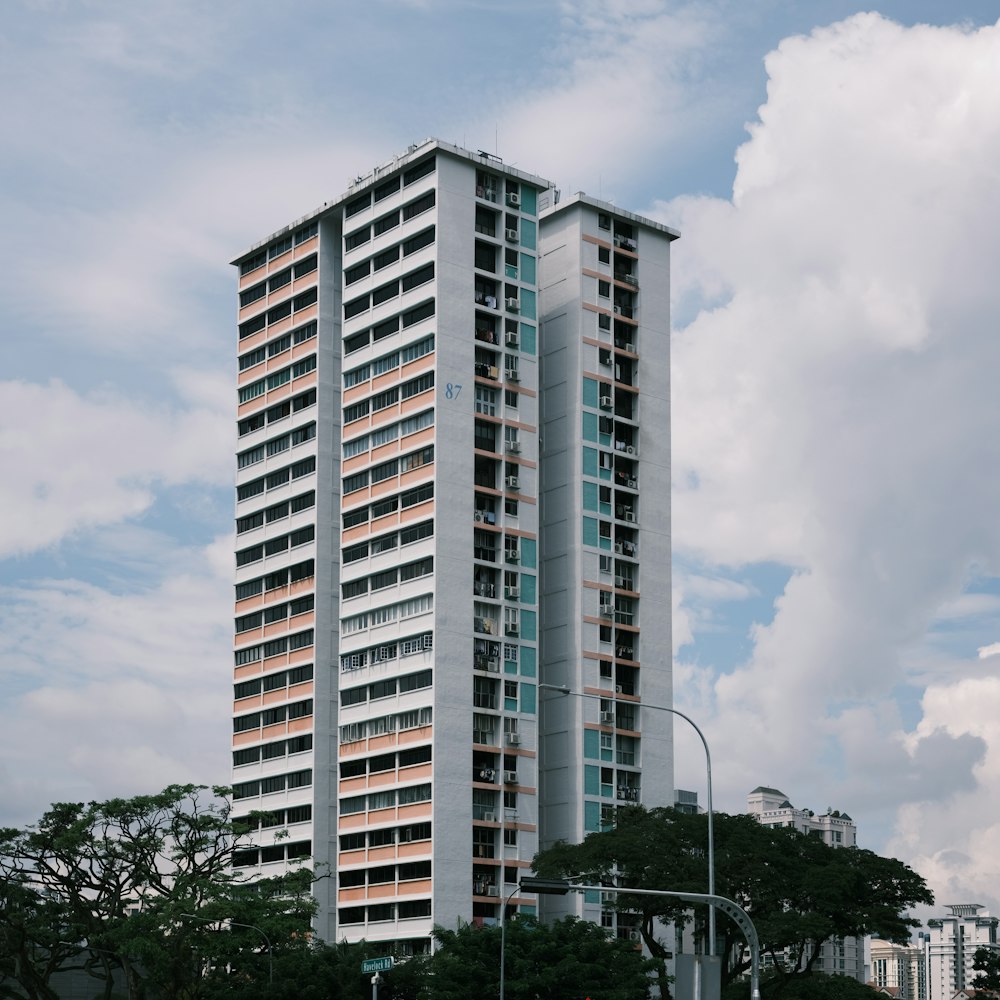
<point>503,939</point>
<point>561,689</point>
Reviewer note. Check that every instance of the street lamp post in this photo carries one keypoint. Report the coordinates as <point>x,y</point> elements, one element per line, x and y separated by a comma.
<point>503,937</point>
<point>558,886</point>
<point>562,689</point>
<point>252,927</point>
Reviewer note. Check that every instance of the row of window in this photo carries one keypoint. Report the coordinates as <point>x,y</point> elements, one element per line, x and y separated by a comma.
<point>251,856</point>
<point>279,312</point>
<point>390,432</point>
<point>378,912</point>
<point>386,688</point>
<point>389,255</point>
<point>272,546</point>
<point>389,290</point>
<point>388,541</point>
<point>407,872</point>
<point>277,346</point>
<point>278,280</point>
<point>273,783</point>
<point>276,512</point>
<point>389,397</point>
<point>385,799</point>
<point>279,578</point>
<point>399,611</point>
<point>389,362</point>
<point>278,378</point>
<point>387,505</point>
<point>419,205</point>
<point>386,470</point>
<point>275,817</point>
<point>272,716</point>
<point>390,187</point>
<point>384,836</point>
<point>275,613</point>
<point>389,577</point>
<point>387,652</point>
<point>261,257</point>
<point>277,478</point>
<point>273,750</point>
<point>396,723</point>
<point>407,318</point>
<point>379,764</point>
<point>277,412</point>
<point>274,647</point>
<point>276,445</point>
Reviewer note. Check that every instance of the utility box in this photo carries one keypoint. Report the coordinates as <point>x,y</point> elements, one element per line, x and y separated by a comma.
<point>698,977</point>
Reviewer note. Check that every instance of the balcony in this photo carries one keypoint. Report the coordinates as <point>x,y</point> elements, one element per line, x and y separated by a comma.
<point>486,626</point>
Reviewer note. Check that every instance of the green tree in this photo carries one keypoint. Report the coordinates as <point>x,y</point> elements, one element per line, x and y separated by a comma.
<point>111,882</point>
<point>798,891</point>
<point>564,960</point>
<point>986,962</point>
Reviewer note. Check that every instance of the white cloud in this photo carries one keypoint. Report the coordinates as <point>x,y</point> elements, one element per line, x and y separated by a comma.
<point>987,651</point>
<point>832,399</point>
<point>94,460</point>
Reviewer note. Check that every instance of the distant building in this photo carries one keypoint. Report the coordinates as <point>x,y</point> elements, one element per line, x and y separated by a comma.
<point>686,802</point>
<point>838,956</point>
<point>898,970</point>
<point>951,946</point>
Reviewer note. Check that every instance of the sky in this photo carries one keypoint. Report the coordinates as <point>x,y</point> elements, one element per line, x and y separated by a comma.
<point>835,173</point>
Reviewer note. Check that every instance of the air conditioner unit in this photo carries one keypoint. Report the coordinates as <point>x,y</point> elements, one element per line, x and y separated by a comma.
<point>492,890</point>
<point>513,199</point>
<point>633,935</point>
<point>511,235</point>
<point>630,516</point>
<point>607,608</point>
<point>513,483</point>
<point>512,375</point>
<point>514,739</point>
<point>622,581</point>
<point>512,555</point>
<point>514,447</point>
<point>512,304</point>
<point>511,338</point>
<point>618,689</point>
<point>489,817</point>
<point>630,483</point>
<point>478,515</point>
<point>630,347</point>
<point>513,593</point>
<point>606,402</point>
<point>493,666</point>
<point>510,777</point>
<point>607,718</point>
<point>630,279</point>
<point>630,449</point>
<point>619,548</point>
<point>512,628</point>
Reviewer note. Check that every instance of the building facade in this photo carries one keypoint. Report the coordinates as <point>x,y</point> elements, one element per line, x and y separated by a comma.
<point>950,947</point>
<point>899,968</point>
<point>407,549</point>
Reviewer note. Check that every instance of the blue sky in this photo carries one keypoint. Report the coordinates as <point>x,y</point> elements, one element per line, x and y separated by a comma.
<point>833,172</point>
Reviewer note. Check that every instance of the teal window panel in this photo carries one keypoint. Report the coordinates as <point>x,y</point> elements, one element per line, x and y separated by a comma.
<point>529,553</point>
<point>589,426</point>
<point>605,509</point>
<point>529,698</point>
<point>605,473</point>
<point>527,338</point>
<point>591,817</point>
<point>590,532</point>
<point>604,439</point>
<point>591,744</point>
<point>590,463</point>
<point>529,661</point>
<point>591,500</point>
<point>606,544</point>
<point>607,754</point>
<point>528,310</point>
<point>529,588</point>
<point>529,237</point>
<point>590,392</point>
<point>510,704</point>
<point>528,269</point>
<point>607,791</point>
<point>592,896</point>
<point>529,200</point>
<point>529,625</point>
<point>510,666</point>
<point>591,779</point>
<point>528,911</point>
<point>510,271</point>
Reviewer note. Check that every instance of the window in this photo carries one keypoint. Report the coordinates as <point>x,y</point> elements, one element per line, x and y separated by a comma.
<point>419,205</point>
<point>259,259</point>
<point>604,289</point>
<point>307,232</point>
<point>421,169</point>
<point>387,188</point>
<point>387,222</point>
<point>422,239</point>
<point>419,277</point>
<point>253,294</point>
<point>604,255</point>
<point>417,385</point>
<point>357,272</point>
<point>384,293</point>
<point>385,258</point>
<point>357,205</point>
<point>417,350</point>
<point>424,311</point>
<point>357,238</point>
<point>603,220</point>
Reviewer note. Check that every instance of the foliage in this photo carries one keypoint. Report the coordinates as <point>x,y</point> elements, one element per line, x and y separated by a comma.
<point>798,890</point>
<point>564,960</point>
<point>986,962</point>
<point>803,988</point>
<point>70,882</point>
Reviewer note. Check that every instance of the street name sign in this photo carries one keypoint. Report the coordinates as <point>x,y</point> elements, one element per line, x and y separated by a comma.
<point>377,964</point>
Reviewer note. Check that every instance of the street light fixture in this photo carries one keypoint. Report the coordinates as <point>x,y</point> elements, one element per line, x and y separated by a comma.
<point>730,908</point>
<point>562,689</point>
<point>252,927</point>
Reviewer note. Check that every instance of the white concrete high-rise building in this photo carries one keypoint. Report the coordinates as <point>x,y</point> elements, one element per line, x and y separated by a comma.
<point>452,483</point>
<point>950,947</point>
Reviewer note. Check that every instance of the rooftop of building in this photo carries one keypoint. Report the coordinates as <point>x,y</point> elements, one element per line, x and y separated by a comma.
<point>580,198</point>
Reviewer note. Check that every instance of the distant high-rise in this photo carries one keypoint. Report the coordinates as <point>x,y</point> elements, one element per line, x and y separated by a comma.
<point>950,947</point>
<point>453,395</point>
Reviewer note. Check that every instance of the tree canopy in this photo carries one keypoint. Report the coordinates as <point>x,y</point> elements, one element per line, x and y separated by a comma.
<point>798,891</point>
<point>110,885</point>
